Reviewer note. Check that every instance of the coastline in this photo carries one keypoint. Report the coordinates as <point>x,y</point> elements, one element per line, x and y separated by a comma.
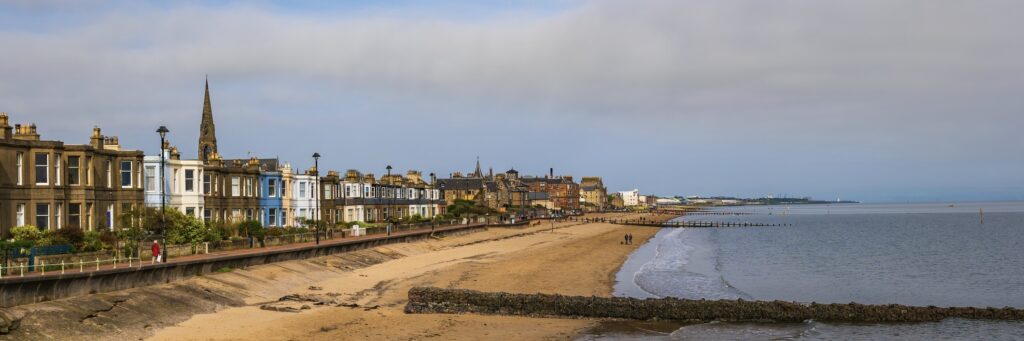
<point>572,259</point>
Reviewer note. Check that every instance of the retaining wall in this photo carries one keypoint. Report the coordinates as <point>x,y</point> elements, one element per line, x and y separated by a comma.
<point>437,300</point>
<point>24,290</point>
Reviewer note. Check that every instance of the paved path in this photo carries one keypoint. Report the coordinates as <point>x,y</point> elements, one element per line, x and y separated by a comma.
<point>72,268</point>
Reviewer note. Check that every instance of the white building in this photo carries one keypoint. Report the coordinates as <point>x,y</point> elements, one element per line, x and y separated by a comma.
<point>183,188</point>
<point>303,198</point>
<point>630,198</point>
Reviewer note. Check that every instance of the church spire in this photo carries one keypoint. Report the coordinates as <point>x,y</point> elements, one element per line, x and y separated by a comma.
<point>478,173</point>
<point>207,132</point>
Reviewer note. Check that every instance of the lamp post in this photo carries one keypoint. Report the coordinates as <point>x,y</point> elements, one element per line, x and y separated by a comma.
<point>163,201</point>
<point>316,194</point>
<point>388,191</point>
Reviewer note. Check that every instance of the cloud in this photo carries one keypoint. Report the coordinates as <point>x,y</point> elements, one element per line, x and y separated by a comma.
<point>910,81</point>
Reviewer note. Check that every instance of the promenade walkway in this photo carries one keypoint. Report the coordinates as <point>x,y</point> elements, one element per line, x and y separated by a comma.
<point>74,268</point>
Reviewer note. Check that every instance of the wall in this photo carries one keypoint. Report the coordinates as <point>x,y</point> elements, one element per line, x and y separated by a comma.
<point>24,290</point>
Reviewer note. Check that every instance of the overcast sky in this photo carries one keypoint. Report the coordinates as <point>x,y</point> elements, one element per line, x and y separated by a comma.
<point>864,100</point>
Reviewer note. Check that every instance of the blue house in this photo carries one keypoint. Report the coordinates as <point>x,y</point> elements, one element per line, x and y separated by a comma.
<point>271,191</point>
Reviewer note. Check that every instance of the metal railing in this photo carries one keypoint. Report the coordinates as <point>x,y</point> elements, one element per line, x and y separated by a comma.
<point>64,266</point>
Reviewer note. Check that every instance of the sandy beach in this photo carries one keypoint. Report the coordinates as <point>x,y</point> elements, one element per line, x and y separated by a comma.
<point>572,258</point>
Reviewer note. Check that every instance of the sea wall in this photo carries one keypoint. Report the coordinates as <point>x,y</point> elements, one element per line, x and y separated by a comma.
<point>24,290</point>
<point>456,301</point>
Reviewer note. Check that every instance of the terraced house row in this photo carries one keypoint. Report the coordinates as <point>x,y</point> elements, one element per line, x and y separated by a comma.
<point>53,185</point>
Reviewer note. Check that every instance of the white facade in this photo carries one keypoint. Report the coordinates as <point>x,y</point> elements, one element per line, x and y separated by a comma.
<point>303,199</point>
<point>631,198</point>
<point>183,186</point>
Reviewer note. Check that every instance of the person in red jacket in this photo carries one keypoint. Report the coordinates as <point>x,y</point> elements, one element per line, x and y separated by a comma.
<point>156,252</point>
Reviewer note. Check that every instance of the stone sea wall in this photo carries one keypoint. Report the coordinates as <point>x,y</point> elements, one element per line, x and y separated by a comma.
<point>456,301</point>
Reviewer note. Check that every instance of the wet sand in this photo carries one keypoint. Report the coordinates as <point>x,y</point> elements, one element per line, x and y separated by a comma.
<point>572,259</point>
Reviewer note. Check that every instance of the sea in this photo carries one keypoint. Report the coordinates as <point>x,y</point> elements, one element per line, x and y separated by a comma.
<point>941,254</point>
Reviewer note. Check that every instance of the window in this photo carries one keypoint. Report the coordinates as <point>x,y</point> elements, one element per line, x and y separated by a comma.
<point>42,168</point>
<point>302,189</point>
<point>43,216</point>
<point>57,215</point>
<point>110,174</point>
<point>235,186</point>
<point>248,187</point>
<point>73,170</point>
<point>190,178</point>
<point>150,178</point>
<point>74,215</point>
<point>20,215</point>
<point>272,216</point>
<point>206,215</point>
<point>272,187</point>
<point>248,214</point>
<point>236,213</point>
<point>190,211</point>
<point>56,175</point>
<point>327,192</point>
<point>126,174</point>
<point>88,170</point>
<point>21,168</point>
<point>206,183</point>
<point>174,181</point>
<point>88,216</point>
<point>302,213</point>
<point>110,216</point>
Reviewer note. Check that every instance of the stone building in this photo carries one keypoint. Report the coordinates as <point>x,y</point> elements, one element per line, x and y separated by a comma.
<point>562,191</point>
<point>53,185</point>
<point>503,192</point>
<point>593,194</point>
<point>362,197</point>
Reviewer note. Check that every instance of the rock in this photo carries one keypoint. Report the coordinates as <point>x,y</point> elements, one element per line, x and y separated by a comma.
<point>10,320</point>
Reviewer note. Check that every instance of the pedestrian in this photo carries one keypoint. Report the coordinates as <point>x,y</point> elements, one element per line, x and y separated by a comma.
<point>156,252</point>
<point>630,238</point>
<point>626,238</point>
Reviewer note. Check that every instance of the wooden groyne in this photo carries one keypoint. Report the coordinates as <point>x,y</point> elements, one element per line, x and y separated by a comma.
<point>691,223</point>
<point>457,301</point>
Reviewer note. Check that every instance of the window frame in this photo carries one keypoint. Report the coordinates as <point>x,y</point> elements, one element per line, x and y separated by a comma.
<point>74,172</point>
<point>129,171</point>
<point>43,224</point>
<point>45,168</point>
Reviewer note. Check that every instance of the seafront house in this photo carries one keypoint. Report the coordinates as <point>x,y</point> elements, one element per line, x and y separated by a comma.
<point>52,185</point>
<point>593,194</point>
<point>271,191</point>
<point>562,191</point>
<point>630,198</point>
<point>362,197</point>
<point>182,189</point>
<point>304,198</point>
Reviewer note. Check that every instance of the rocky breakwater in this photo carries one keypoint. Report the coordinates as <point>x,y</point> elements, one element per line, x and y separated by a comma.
<point>457,301</point>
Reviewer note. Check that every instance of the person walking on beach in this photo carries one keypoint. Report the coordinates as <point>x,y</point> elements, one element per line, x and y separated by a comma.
<point>156,252</point>
<point>629,238</point>
<point>625,238</point>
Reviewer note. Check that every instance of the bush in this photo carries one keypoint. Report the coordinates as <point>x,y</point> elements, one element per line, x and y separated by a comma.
<point>27,233</point>
<point>92,241</point>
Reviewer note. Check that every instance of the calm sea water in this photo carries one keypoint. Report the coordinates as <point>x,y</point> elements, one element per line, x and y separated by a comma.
<point>916,254</point>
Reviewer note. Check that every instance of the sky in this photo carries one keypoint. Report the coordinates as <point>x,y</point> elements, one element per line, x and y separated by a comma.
<point>877,101</point>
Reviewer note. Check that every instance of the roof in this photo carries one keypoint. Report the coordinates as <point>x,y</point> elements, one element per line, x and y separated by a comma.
<point>460,183</point>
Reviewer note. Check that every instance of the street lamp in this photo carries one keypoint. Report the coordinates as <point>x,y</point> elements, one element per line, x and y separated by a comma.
<point>316,194</point>
<point>163,201</point>
<point>388,191</point>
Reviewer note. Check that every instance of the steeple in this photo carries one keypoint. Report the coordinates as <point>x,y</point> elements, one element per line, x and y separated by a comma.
<point>207,132</point>
<point>478,173</point>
